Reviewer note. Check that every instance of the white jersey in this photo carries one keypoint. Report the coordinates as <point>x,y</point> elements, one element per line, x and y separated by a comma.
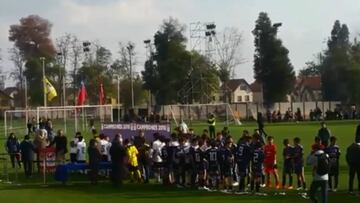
<point>73,149</point>
<point>184,128</point>
<point>156,151</point>
<point>81,151</point>
<point>105,147</point>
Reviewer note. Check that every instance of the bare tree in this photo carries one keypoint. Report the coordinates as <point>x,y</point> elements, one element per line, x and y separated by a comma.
<point>63,45</point>
<point>228,52</point>
<point>127,54</point>
<point>17,73</point>
<point>75,56</point>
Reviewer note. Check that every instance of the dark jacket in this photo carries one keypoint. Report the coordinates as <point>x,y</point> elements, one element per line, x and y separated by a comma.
<point>117,153</point>
<point>353,155</point>
<point>94,157</point>
<point>27,150</point>
<point>12,145</point>
<point>324,135</point>
<point>60,142</point>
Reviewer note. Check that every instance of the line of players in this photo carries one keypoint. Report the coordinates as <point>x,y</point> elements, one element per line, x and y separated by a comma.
<point>210,163</point>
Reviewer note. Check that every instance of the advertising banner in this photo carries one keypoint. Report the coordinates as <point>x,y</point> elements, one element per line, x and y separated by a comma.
<point>129,130</point>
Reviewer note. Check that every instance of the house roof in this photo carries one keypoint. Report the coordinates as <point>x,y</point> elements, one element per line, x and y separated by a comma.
<point>10,90</point>
<point>233,84</point>
<point>313,82</point>
<point>256,86</point>
<point>3,94</point>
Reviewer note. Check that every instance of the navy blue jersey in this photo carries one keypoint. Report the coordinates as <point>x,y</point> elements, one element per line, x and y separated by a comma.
<point>197,155</point>
<point>212,156</point>
<point>227,157</point>
<point>298,155</point>
<point>243,154</point>
<point>257,160</point>
<point>165,154</point>
<point>180,154</point>
<point>288,154</point>
<point>172,154</point>
<point>333,152</point>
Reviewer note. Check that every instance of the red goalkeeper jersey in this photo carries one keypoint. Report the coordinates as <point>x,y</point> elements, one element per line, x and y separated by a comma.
<point>270,154</point>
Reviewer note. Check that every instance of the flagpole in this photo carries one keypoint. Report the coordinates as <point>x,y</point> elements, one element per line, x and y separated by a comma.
<point>44,85</point>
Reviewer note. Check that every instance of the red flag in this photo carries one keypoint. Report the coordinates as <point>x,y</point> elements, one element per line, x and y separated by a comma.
<point>101,95</point>
<point>82,95</point>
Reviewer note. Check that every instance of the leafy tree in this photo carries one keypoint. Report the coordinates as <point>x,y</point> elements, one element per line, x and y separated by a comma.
<point>272,66</point>
<point>32,37</point>
<point>32,40</point>
<point>125,92</point>
<point>311,69</point>
<point>204,78</point>
<point>170,64</point>
<point>336,70</point>
<point>96,70</point>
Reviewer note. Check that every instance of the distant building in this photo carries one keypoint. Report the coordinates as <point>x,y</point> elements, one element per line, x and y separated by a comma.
<point>256,88</point>
<point>236,91</point>
<point>307,89</point>
<point>6,102</point>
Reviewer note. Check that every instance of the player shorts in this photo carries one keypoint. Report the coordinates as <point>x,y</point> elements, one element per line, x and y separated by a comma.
<point>288,168</point>
<point>214,171</point>
<point>157,165</point>
<point>227,171</point>
<point>243,170</point>
<point>298,168</point>
<point>133,168</point>
<point>334,169</point>
<point>257,172</point>
<point>200,167</point>
<point>270,168</point>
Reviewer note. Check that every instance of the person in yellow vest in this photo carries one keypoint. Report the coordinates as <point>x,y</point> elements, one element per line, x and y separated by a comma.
<point>212,122</point>
<point>133,164</point>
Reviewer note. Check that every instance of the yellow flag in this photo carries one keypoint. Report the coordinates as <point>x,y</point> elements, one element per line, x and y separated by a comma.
<point>50,91</point>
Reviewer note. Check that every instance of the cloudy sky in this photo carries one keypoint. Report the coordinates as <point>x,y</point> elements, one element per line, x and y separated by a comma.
<point>306,23</point>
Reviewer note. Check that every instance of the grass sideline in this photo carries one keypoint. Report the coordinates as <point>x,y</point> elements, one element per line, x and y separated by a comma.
<point>79,191</point>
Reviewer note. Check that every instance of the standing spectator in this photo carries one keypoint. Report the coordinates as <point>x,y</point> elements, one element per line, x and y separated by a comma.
<point>40,143</point>
<point>60,142</point>
<point>144,160</point>
<point>133,164</point>
<point>13,148</point>
<point>33,124</point>
<point>260,122</point>
<point>324,134</point>
<point>320,164</point>
<point>353,160</point>
<point>298,115</point>
<point>157,156</point>
<point>357,134</point>
<point>94,160</point>
<point>49,130</point>
<point>139,140</point>
<point>81,150</point>
<point>104,147</point>
<point>212,122</point>
<point>29,126</point>
<point>333,151</point>
<point>118,155</point>
<point>27,155</point>
<point>183,128</point>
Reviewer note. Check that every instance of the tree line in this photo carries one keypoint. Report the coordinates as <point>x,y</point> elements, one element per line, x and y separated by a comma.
<point>173,72</point>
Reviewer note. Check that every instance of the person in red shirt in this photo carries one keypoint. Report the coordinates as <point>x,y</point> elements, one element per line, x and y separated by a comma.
<point>270,162</point>
<point>317,145</point>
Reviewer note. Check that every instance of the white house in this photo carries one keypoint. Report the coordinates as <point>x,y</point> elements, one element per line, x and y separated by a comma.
<point>236,91</point>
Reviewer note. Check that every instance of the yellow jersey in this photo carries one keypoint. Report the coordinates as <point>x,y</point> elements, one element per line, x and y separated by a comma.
<point>132,153</point>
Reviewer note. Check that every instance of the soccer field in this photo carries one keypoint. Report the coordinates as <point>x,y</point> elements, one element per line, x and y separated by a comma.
<point>80,191</point>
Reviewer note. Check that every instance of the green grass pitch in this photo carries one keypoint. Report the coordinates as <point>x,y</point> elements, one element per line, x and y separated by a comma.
<point>80,191</point>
